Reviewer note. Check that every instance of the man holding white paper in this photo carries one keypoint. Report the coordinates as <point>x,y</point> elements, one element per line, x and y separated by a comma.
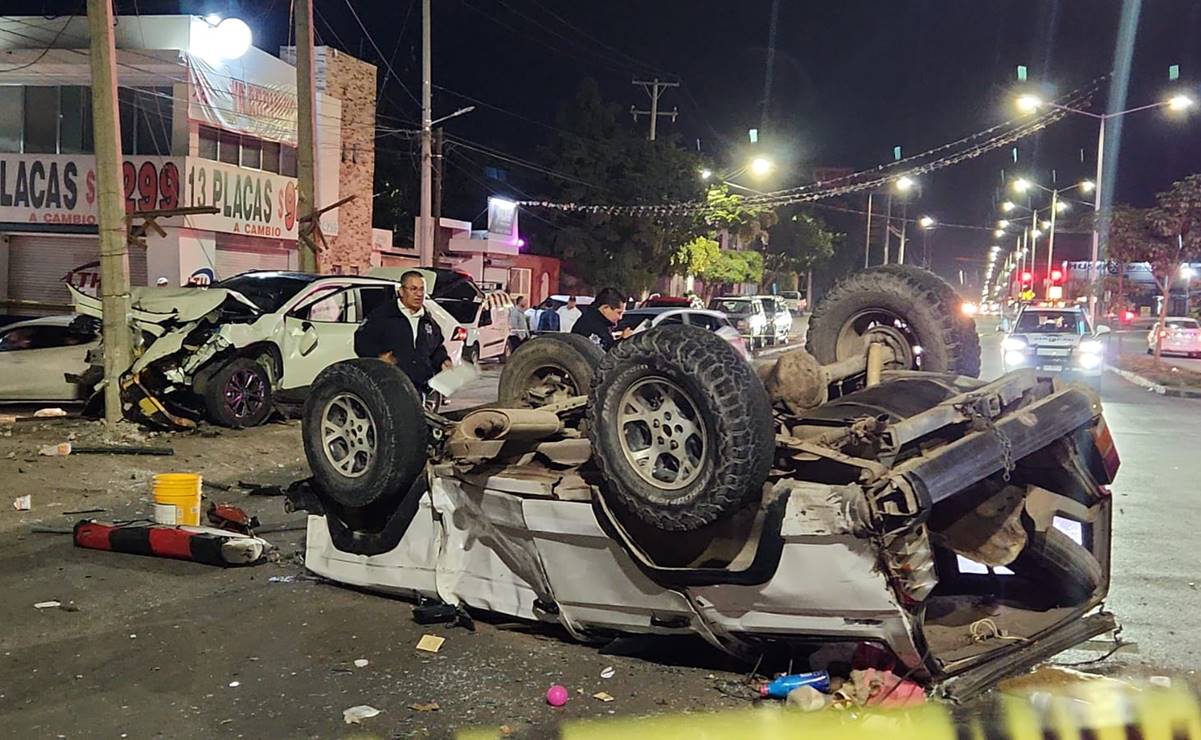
<point>405,335</point>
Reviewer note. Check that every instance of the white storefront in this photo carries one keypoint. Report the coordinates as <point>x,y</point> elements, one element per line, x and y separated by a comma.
<point>194,133</point>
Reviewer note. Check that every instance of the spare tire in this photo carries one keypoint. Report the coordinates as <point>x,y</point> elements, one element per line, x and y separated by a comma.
<point>681,428</point>
<point>914,312</point>
<point>364,433</point>
<point>548,369</point>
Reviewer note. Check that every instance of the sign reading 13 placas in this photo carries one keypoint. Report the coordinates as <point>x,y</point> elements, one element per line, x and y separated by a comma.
<point>253,203</point>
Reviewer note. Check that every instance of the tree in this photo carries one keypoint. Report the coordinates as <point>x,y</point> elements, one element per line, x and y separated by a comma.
<point>799,243</point>
<point>600,159</point>
<point>1166,237</point>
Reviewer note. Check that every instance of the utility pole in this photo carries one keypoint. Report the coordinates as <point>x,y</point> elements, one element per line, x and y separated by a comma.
<point>439,180</point>
<point>306,134</point>
<point>904,223</point>
<point>114,254</point>
<point>654,88</point>
<point>425,240</point>
<point>888,229</point>
<point>1051,241</point>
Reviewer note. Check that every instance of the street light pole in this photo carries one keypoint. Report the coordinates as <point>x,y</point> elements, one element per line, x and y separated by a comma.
<point>1051,240</point>
<point>1092,265</point>
<point>867,245</point>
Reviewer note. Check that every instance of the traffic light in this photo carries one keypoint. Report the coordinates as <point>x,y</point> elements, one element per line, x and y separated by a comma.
<point>1056,276</point>
<point>1027,277</point>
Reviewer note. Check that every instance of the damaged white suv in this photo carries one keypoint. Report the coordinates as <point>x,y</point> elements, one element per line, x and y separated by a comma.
<point>857,490</point>
<point>233,351</point>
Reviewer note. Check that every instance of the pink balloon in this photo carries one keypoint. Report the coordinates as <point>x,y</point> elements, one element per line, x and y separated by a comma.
<point>557,695</point>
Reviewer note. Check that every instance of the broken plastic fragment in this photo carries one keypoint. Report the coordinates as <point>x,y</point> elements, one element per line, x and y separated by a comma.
<point>355,715</point>
<point>47,605</point>
<point>602,696</point>
<point>607,672</point>
<point>23,503</point>
<point>430,643</point>
<point>62,449</point>
<point>361,663</point>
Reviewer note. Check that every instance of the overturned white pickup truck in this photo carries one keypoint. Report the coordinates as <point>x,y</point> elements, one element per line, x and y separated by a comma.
<point>669,487</point>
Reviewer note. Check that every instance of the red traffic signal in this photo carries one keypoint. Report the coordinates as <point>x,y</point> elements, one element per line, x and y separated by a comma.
<point>1056,276</point>
<point>1027,276</point>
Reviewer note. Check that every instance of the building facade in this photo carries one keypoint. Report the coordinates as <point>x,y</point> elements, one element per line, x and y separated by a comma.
<point>195,131</point>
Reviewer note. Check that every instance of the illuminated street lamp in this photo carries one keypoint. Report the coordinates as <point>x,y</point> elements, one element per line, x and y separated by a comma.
<point>925,222</point>
<point>1030,103</point>
<point>1003,224</point>
<point>1086,186</point>
<point>1021,184</point>
<point>1061,206</point>
<point>999,233</point>
<point>904,183</point>
<point>760,166</point>
<point>706,173</point>
<point>1008,206</point>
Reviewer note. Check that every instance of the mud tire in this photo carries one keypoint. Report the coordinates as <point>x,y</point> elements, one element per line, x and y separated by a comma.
<point>924,302</point>
<point>400,436</point>
<point>572,357</point>
<point>1062,567</point>
<point>731,407</point>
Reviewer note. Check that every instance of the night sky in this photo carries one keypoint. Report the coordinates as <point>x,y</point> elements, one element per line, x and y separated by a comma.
<point>851,80</point>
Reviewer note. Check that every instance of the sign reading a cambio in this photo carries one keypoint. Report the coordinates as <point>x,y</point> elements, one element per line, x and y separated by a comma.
<point>250,202</point>
<point>61,189</point>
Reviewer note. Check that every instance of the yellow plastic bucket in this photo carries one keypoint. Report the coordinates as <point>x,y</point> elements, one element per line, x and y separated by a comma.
<point>177,498</point>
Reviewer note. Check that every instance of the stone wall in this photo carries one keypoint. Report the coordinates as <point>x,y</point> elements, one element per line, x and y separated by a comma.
<point>353,82</point>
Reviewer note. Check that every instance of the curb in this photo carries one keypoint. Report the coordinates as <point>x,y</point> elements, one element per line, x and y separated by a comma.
<point>1163,390</point>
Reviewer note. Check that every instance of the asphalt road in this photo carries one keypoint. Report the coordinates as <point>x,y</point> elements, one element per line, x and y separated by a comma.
<point>1155,581</point>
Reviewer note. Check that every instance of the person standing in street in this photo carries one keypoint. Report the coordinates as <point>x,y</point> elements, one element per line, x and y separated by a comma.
<point>598,320</point>
<point>404,334</point>
<point>568,315</point>
<point>519,327</point>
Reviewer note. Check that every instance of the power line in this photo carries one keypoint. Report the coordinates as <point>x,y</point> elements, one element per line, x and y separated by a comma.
<point>641,63</point>
<point>521,162</point>
<point>382,58</point>
<point>45,51</point>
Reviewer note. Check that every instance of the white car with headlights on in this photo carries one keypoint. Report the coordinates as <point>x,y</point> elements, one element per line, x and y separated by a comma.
<point>1054,341</point>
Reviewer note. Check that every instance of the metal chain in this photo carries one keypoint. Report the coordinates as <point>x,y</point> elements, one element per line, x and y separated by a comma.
<point>1007,464</point>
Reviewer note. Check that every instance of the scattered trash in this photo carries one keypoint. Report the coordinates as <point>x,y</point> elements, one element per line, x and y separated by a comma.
<point>83,511</point>
<point>439,613</point>
<point>62,449</point>
<point>1162,682</point>
<point>362,663</point>
<point>602,696</point>
<point>123,450</point>
<point>234,684</point>
<point>429,707</point>
<point>430,643</point>
<point>807,699</point>
<point>49,413</point>
<point>557,695</point>
<point>1052,677</point>
<point>780,688</point>
<point>874,687</point>
<point>23,503</point>
<point>47,605</point>
<point>607,672</point>
<point>231,518</point>
<point>355,715</point>
<point>7,419</point>
<point>293,579</point>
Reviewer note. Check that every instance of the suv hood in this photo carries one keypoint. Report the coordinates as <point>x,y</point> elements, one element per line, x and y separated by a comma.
<point>153,309</point>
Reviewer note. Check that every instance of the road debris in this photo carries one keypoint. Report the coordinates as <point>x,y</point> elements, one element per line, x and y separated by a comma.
<point>362,663</point>
<point>439,613</point>
<point>557,695</point>
<point>293,579</point>
<point>122,450</point>
<point>603,696</point>
<point>209,546</point>
<point>62,449</point>
<point>47,605</point>
<point>49,413</point>
<point>355,715</point>
<point>607,672</point>
<point>231,518</point>
<point>430,643</point>
<point>427,707</point>
<point>1162,682</point>
<point>807,699</point>
<point>874,687</point>
<point>782,686</point>
<point>23,503</point>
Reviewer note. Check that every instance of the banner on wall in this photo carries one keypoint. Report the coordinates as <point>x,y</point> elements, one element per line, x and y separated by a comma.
<point>251,202</point>
<point>61,188</point>
<point>221,95</point>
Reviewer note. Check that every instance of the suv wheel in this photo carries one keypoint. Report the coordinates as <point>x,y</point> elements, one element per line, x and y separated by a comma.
<point>239,394</point>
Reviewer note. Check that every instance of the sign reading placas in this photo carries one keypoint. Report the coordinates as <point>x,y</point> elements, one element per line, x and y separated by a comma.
<point>61,188</point>
<point>251,202</point>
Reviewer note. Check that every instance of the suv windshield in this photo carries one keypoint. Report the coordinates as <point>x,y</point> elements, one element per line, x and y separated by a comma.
<point>769,305</point>
<point>269,291</point>
<point>1052,322</point>
<point>730,305</point>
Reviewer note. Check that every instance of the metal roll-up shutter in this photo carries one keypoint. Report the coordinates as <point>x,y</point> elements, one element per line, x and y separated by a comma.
<point>239,254</point>
<point>38,264</point>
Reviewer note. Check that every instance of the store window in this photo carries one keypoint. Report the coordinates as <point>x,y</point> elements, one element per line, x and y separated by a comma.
<point>41,120</point>
<point>228,148</point>
<point>252,152</point>
<point>208,143</point>
<point>271,156</point>
<point>287,161</point>
<point>12,106</point>
<point>75,120</point>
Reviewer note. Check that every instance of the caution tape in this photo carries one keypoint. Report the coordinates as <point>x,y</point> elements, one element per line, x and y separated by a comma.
<point>1083,712</point>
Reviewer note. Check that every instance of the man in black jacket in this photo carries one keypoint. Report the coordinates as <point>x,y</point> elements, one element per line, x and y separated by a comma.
<point>405,335</point>
<point>597,321</point>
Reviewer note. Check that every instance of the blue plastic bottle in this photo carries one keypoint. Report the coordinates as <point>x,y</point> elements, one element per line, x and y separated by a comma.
<point>779,688</point>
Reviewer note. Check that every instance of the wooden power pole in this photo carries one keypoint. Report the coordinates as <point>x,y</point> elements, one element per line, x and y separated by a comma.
<point>114,255</point>
<point>306,120</point>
